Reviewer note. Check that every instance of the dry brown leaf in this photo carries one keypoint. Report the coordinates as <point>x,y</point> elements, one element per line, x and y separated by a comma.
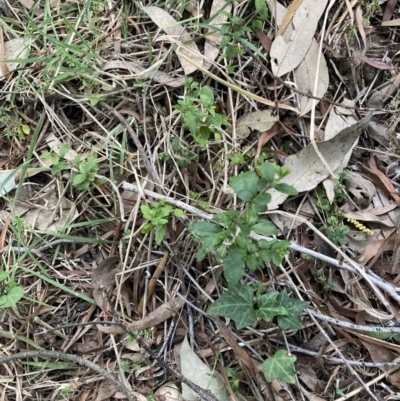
<point>362,189</point>
<point>305,75</point>
<point>265,41</point>
<point>378,64</point>
<point>41,213</point>
<point>169,25</point>
<point>379,97</point>
<point>104,278</point>
<point>389,10</point>
<point>266,136</point>
<point>339,119</point>
<point>239,352</point>
<point>106,390</point>
<point>169,392</point>
<point>260,121</point>
<point>306,169</point>
<point>290,48</point>
<point>16,49</point>
<point>385,180</point>
<point>137,71</point>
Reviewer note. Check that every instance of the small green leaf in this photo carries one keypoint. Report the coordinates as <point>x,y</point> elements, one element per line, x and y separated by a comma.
<point>160,233</point>
<point>147,212</point>
<point>294,309</point>
<point>261,7</point>
<point>147,228</point>
<point>269,307</point>
<point>245,185</point>
<point>286,189</point>
<point>63,150</point>
<point>236,304</point>
<point>209,235</point>
<point>236,158</point>
<point>261,202</point>
<point>191,122</point>
<point>234,265</point>
<point>256,25</point>
<point>78,179</point>
<point>3,276</point>
<point>25,129</point>
<point>280,366</point>
<point>14,294</point>
<point>178,212</point>
<point>203,229</point>
<point>267,171</point>
<point>265,227</point>
<point>206,96</point>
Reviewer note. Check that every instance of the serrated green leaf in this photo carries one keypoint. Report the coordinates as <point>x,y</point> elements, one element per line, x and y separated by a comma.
<point>245,185</point>
<point>267,171</point>
<point>261,7</point>
<point>294,309</point>
<point>269,307</point>
<point>236,304</point>
<point>160,233</point>
<point>265,227</point>
<point>191,122</point>
<point>234,265</point>
<point>286,189</point>
<point>12,297</point>
<point>206,96</point>
<point>280,366</point>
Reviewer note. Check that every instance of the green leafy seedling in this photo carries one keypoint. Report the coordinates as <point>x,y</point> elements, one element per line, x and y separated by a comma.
<point>157,218</point>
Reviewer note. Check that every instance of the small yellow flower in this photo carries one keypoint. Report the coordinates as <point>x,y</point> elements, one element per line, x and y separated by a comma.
<point>360,226</point>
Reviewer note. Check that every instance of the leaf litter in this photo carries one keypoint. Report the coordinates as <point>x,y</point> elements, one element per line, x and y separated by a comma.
<point>141,60</point>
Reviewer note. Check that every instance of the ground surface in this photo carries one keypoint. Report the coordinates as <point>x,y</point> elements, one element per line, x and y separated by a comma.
<point>125,127</point>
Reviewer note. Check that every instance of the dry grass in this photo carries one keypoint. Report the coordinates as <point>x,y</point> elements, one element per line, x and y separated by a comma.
<point>79,87</point>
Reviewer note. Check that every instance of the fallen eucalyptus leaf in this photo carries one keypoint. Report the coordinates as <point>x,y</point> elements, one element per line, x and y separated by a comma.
<point>306,168</point>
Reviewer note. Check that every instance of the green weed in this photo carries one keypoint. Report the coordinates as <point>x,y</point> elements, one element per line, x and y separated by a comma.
<point>227,238</point>
<point>198,111</point>
<point>157,218</point>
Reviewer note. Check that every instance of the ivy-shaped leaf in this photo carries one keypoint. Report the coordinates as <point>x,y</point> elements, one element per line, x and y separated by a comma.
<point>280,366</point>
<point>236,304</point>
<point>294,308</point>
<point>269,307</point>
